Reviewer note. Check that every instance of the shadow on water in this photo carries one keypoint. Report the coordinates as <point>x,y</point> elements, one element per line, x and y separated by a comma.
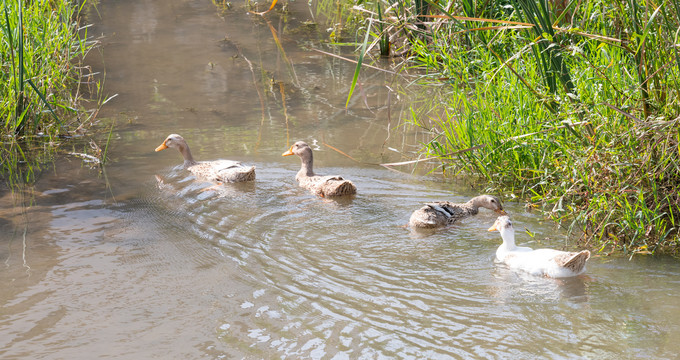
<point>266,269</point>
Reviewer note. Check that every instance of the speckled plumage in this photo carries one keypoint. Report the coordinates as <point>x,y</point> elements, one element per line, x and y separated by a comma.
<point>444,213</point>
<point>215,171</point>
<point>539,262</point>
<point>320,185</point>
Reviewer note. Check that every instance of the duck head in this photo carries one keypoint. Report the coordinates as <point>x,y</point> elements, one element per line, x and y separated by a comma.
<point>490,202</point>
<point>300,149</point>
<point>504,226</point>
<point>172,141</point>
<point>177,142</point>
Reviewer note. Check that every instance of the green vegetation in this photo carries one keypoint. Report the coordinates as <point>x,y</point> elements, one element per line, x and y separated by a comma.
<point>41,43</point>
<point>573,106</point>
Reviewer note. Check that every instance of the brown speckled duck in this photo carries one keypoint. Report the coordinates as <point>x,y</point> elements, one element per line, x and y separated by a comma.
<point>216,171</point>
<point>444,213</point>
<point>539,262</point>
<point>320,185</point>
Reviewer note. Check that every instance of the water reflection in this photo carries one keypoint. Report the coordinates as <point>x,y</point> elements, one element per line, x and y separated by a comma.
<point>143,22</point>
<point>521,285</point>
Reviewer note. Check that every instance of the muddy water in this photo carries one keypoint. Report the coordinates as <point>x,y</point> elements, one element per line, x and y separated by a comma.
<point>143,263</point>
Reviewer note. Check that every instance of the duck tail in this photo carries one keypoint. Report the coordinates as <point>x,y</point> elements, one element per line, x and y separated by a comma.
<point>342,187</point>
<point>241,174</point>
<point>577,262</point>
<point>249,174</point>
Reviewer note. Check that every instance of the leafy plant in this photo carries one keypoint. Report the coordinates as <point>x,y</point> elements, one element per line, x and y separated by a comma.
<point>40,43</point>
<point>575,109</point>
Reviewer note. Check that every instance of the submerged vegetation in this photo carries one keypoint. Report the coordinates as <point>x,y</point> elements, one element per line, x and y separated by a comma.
<point>41,43</point>
<point>572,106</point>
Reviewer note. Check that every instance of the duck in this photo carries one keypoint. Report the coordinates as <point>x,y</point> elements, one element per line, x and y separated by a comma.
<point>214,171</point>
<point>443,213</point>
<point>324,186</point>
<point>540,262</point>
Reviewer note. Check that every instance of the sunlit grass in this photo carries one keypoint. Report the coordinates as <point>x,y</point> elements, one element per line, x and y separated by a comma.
<point>41,43</point>
<point>576,110</point>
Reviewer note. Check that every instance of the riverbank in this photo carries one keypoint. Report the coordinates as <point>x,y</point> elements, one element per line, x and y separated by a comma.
<point>42,83</point>
<point>573,109</point>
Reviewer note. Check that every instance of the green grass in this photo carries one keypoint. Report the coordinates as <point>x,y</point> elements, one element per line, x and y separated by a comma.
<point>575,111</point>
<point>41,43</point>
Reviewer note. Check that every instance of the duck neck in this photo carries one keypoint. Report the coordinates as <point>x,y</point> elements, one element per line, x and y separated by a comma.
<point>473,206</point>
<point>186,154</point>
<point>307,168</point>
<point>508,239</point>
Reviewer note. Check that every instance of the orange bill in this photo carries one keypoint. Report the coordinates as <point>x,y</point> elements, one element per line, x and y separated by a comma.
<point>493,227</point>
<point>162,146</point>
<point>289,152</point>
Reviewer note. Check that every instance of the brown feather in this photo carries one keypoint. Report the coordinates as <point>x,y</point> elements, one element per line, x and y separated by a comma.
<point>574,261</point>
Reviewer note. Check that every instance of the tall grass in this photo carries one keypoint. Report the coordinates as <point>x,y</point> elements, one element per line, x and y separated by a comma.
<point>575,108</point>
<point>40,43</point>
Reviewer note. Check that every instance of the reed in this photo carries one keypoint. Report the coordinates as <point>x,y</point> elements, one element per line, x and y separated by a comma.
<point>41,43</point>
<point>575,109</point>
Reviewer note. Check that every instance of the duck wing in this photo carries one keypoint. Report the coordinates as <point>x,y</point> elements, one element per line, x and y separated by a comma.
<point>574,261</point>
<point>335,185</point>
<point>448,209</point>
<point>222,165</point>
<point>436,214</point>
<point>223,171</point>
<point>234,171</point>
<point>548,262</point>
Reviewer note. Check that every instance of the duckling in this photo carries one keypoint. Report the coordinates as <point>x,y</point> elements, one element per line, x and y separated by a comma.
<point>444,213</point>
<point>539,262</point>
<point>215,171</point>
<point>320,185</point>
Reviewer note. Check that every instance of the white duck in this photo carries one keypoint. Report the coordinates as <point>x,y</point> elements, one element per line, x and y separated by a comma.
<point>216,171</point>
<point>540,262</point>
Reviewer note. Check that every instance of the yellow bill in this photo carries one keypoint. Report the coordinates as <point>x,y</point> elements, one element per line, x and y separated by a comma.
<point>161,147</point>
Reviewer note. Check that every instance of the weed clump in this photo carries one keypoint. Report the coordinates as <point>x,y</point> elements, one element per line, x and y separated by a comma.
<point>572,106</point>
<point>41,43</point>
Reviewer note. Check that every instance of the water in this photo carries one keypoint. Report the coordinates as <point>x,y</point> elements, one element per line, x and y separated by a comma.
<point>142,263</point>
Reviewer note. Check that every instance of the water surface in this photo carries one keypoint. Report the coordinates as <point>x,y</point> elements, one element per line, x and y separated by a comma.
<point>143,263</point>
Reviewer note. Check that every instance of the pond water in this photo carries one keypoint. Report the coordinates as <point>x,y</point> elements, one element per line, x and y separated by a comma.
<point>141,262</point>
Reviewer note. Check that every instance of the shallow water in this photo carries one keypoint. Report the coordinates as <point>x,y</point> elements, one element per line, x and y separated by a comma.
<point>143,263</point>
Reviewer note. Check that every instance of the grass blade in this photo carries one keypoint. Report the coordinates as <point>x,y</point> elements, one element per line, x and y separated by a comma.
<point>44,100</point>
<point>289,64</point>
<point>359,62</point>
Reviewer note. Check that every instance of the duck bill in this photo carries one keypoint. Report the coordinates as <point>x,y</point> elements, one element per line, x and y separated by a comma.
<point>289,152</point>
<point>162,147</point>
<point>493,228</point>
